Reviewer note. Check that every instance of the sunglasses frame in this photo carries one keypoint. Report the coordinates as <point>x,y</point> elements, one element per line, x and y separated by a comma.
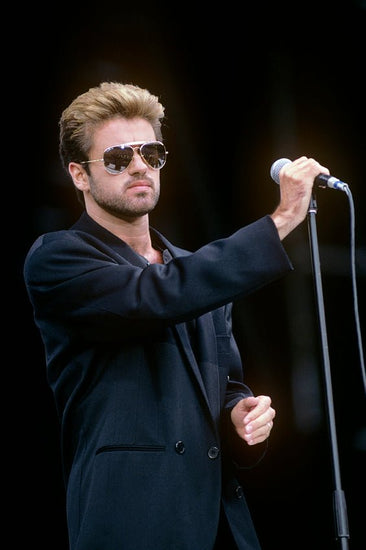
<point>135,146</point>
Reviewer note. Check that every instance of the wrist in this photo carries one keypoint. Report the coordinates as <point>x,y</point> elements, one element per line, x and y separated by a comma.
<point>284,223</point>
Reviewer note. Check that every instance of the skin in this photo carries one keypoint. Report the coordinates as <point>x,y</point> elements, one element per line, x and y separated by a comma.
<point>122,203</point>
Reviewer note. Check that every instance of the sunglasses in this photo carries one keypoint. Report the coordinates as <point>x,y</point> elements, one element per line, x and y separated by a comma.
<point>118,157</point>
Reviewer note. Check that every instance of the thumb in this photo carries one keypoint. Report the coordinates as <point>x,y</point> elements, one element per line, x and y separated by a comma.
<point>249,402</point>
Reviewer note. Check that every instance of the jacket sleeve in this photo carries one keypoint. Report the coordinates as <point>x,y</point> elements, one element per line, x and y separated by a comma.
<point>75,279</point>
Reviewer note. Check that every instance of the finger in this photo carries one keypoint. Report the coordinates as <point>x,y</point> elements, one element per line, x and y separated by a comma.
<point>259,435</point>
<point>302,166</point>
<point>263,404</point>
<point>257,421</point>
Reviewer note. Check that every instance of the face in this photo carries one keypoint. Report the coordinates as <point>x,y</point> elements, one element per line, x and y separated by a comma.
<point>131,193</point>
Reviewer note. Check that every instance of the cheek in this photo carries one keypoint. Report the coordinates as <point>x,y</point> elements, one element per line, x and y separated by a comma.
<point>104,184</point>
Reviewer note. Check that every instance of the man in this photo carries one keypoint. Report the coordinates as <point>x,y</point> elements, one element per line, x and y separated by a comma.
<point>147,378</point>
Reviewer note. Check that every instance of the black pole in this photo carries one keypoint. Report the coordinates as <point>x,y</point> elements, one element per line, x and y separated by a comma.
<point>339,501</point>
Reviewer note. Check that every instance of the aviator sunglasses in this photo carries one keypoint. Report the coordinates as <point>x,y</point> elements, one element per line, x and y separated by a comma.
<point>117,157</point>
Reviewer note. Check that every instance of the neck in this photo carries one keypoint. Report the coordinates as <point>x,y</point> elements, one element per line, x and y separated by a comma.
<point>135,232</point>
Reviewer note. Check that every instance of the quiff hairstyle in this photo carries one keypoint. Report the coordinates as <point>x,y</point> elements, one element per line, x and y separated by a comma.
<point>99,104</point>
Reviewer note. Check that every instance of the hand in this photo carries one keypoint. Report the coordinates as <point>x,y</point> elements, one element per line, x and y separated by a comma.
<point>296,184</point>
<point>253,418</point>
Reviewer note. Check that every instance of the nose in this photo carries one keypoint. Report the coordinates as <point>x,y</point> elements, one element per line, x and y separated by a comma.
<point>137,164</point>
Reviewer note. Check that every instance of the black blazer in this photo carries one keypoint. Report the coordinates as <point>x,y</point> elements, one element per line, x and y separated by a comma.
<point>144,370</point>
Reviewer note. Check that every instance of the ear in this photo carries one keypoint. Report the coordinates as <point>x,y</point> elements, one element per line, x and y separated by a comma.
<point>79,176</point>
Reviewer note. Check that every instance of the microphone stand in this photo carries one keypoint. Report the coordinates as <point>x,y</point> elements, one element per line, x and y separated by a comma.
<point>339,501</point>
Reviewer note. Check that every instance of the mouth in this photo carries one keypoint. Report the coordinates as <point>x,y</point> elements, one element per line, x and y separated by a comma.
<point>140,185</point>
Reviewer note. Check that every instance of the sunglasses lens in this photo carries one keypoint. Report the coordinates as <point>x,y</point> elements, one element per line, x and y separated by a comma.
<point>116,159</point>
<point>154,154</point>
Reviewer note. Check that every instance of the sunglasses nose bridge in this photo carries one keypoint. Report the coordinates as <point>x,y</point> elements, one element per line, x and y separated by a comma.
<point>137,157</point>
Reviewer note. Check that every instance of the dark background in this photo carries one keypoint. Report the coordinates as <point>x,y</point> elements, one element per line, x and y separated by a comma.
<point>242,85</point>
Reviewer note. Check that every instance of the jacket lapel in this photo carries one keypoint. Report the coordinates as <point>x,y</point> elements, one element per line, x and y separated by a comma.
<point>208,362</point>
<point>204,361</point>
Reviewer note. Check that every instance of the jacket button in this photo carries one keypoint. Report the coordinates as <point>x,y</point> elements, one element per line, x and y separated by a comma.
<point>239,492</point>
<point>213,452</point>
<point>179,447</point>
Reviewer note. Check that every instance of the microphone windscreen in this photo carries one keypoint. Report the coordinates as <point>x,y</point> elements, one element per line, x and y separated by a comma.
<point>276,168</point>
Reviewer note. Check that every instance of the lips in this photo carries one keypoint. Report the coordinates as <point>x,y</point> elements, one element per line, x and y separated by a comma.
<point>142,184</point>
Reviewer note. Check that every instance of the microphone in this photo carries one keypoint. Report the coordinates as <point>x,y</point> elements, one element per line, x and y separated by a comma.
<point>322,180</point>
